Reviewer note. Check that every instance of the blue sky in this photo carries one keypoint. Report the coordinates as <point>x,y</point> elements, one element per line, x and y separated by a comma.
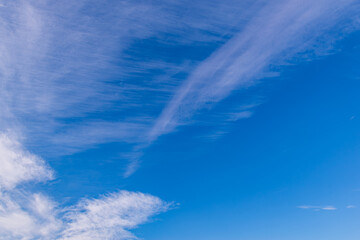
<point>180,120</point>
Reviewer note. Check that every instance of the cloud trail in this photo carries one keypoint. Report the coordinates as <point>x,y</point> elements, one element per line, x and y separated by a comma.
<point>279,32</point>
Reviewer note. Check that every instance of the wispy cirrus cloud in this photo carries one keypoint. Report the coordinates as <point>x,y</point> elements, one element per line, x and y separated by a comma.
<point>23,214</point>
<point>47,81</point>
<point>18,165</point>
<point>63,92</point>
<point>66,66</point>
<point>76,75</point>
<point>279,32</point>
<point>111,216</point>
<point>27,214</point>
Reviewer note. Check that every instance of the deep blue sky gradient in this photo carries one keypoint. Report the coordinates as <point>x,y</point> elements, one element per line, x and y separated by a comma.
<point>165,98</point>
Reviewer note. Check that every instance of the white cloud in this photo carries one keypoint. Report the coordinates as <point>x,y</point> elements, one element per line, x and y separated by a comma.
<point>350,206</point>
<point>112,216</point>
<point>307,207</point>
<point>46,82</point>
<point>23,215</point>
<point>280,31</point>
<point>329,208</point>
<point>27,216</point>
<point>33,216</point>
<point>58,92</point>
<point>18,165</point>
<point>317,208</point>
<point>53,91</point>
<point>30,215</point>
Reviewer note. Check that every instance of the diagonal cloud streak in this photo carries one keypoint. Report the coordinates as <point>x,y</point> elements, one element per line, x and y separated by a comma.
<point>278,33</point>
